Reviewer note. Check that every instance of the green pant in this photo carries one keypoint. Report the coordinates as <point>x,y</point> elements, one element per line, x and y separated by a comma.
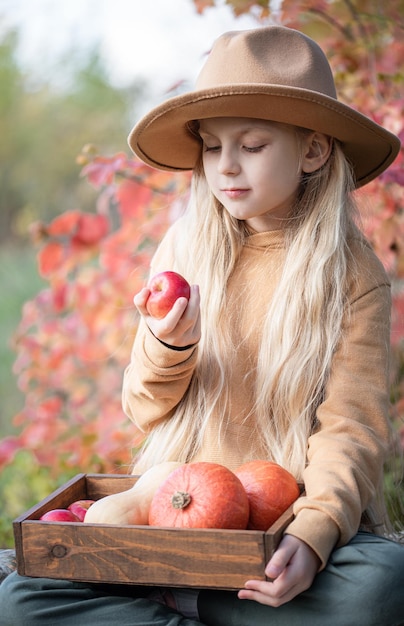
<point>362,585</point>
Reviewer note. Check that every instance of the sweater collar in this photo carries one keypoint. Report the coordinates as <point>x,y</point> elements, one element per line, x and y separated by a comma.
<point>267,239</point>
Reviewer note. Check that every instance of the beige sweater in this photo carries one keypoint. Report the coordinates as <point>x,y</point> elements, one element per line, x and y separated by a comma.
<point>346,453</point>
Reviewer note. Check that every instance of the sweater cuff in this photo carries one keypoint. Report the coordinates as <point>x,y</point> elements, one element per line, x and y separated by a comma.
<point>177,348</point>
<point>316,529</point>
<point>163,355</point>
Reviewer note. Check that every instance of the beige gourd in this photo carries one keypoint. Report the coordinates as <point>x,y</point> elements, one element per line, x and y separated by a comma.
<point>131,506</point>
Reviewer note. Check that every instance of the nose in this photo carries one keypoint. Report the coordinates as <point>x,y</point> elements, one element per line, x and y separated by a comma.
<point>228,163</point>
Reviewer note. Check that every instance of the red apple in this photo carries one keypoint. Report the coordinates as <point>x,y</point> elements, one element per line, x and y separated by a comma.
<point>165,288</point>
<point>59,515</point>
<point>80,507</point>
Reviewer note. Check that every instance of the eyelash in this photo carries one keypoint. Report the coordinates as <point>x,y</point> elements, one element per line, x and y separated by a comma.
<point>246,148</point>
<point>255,148</point>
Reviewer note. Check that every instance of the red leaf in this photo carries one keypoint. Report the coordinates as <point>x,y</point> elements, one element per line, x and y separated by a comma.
<point>50,258</point>
<point>60,293</point>
<point>395,173</point>
<point>133,199</point>
<point>49,408</point>
<point>8,448</point>
<point>91,229</point>
<point>101,170</point>
<point>65,224</point>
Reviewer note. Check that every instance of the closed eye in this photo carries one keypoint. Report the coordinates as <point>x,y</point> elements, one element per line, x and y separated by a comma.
<point>211,148</point>
<point>254,148</point>
<point>251,149</point>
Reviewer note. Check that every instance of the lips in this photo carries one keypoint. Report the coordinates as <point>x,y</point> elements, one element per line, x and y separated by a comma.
<point>235,193</point>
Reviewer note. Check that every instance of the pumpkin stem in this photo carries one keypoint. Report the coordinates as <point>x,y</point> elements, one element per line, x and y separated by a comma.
<point>180,499</point>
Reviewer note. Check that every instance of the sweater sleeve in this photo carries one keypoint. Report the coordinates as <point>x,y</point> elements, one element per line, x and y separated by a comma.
<point>157,377</point>
<point>155,380</point>
<point>347,450</point>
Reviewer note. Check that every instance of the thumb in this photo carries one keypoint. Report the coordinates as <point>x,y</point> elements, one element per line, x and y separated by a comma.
<point>280,559</point>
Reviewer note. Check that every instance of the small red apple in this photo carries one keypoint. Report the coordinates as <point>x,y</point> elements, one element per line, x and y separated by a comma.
<point>59,515</point>
<point>165,288</point>
<point>80,507</point>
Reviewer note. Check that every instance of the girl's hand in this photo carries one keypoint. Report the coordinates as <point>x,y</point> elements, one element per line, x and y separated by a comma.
<point>181,326</point>
<point>293,567</point>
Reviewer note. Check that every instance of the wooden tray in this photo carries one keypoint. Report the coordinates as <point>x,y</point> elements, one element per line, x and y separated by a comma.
<point>141,555</point>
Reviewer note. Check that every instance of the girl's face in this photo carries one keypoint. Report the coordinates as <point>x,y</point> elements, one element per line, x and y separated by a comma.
<point>253,167</point>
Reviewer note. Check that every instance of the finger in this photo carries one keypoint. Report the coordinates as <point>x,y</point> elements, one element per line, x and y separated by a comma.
<point>175,314</point>
<point>276,565</point>
<point>264,598</point>
<point>275,588</point>
<point>140,300</point>
<point>170,328</point>
<point>271,594</point>
<point>194,297</point>
<point>281,557</point>
<point>193,310</point>
<point>186,314</point>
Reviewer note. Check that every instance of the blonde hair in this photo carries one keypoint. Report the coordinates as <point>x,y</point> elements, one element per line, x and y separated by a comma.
<point>302,326</point>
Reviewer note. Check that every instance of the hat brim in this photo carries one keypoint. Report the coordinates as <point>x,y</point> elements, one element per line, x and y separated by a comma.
<point>163,138</point>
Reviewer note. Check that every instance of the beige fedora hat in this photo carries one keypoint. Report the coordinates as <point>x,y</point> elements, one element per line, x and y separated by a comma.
<point>273,73</point>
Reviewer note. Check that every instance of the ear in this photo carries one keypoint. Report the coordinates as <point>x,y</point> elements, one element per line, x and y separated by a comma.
<point>316,151</point>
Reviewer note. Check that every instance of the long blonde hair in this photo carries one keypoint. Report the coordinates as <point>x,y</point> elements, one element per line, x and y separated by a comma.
<point>302,326</point>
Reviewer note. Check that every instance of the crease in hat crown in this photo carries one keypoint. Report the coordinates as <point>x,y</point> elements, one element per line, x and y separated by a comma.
<point>244,58</point>
<point>274,73</point>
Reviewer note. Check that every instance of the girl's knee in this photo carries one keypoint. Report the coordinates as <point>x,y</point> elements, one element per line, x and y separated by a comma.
<point>12,594</point>
<point>392,581</point>
<point>371,573</point>
<point>32,601</point>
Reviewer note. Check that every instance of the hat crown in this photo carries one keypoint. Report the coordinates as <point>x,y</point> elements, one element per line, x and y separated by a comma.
<point>270,55</point>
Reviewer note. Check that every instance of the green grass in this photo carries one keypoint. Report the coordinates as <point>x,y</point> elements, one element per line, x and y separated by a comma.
<point>19,282</point>
<point>22,485</point>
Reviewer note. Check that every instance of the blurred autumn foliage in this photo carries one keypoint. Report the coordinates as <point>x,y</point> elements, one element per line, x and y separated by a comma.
<point>74,339</point>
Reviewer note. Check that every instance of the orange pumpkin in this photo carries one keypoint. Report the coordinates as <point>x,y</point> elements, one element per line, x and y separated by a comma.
<point>270,488</point>
<point>200,495</point>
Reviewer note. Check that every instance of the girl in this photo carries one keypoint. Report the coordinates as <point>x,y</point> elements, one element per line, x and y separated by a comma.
<point>281,352</point>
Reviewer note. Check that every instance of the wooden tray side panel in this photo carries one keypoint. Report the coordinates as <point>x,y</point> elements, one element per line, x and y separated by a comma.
<point>142,555</point>
<point>101,485</point>
<point>74,489</point>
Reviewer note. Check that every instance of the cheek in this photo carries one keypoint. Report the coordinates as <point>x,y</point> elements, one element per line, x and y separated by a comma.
<point>209,171</point>
<point>279,181</point>
<point>287,170</point>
